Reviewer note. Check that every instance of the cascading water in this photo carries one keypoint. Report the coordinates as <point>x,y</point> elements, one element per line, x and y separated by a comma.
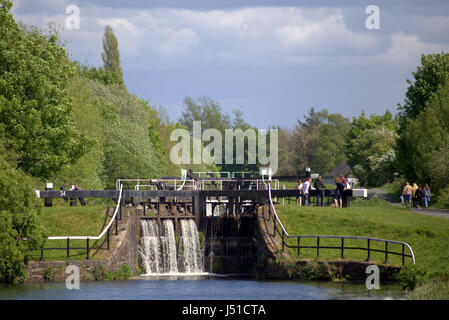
<point>192,254</point>
<point>168,244</point>
<point>158,251</point>
<point>149,248</point>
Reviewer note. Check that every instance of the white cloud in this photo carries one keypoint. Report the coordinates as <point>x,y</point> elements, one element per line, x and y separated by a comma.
<point>172,38</point>
<point>407,49</point>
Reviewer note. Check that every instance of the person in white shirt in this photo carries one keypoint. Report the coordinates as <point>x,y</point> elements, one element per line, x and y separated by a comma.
<point>305,191</point>
<point>299,186</point>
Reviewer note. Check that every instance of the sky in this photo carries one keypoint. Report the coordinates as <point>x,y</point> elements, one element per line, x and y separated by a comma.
<point>273,60</point>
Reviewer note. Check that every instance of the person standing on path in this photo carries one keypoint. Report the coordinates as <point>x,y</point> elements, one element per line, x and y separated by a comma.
<point>298,187</point>
<point>426,194</point>
<point>83,203</point>
<point>407,194</point>
<point>340,188</point>
<point>414,188</point>
<point>305,191</point>
<point>319,187</point>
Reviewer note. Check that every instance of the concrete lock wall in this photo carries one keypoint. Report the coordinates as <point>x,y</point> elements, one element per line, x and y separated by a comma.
<point>230,244</point>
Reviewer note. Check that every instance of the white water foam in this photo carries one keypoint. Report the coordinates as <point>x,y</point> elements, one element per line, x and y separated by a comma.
<point>158,249</point>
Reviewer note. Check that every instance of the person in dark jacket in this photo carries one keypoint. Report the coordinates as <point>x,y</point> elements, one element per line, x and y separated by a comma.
<point>340,188</point>
<point>419,197</point>
<point>319,187</point>
<point>83,203</point>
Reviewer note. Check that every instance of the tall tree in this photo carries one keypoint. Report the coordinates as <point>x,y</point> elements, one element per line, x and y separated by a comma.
<point>370,148</point>
<point>318,141</point>
<point>429,78</point>
<point>111,54</point>
<point>36,121</point>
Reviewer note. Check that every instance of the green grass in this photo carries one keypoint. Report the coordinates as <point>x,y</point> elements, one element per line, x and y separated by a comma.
<point>428,236</point>
<point>434,289</point>
<point>71,221</point>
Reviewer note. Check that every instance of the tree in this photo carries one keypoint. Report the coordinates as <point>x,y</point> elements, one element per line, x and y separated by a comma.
<point>129,151</point>
<point>111,54</point>
<point>427,141</point>
<point>429,78</point>
<point>370,148</point>
<point>35,106</point>
<point>211,116</point>
<point>20,231</point>
<point>318,141</point>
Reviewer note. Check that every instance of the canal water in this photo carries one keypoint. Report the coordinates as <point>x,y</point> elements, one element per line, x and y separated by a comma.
<point>200,288</point>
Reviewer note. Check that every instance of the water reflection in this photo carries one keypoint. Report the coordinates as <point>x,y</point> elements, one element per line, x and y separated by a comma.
<point>201,287</point>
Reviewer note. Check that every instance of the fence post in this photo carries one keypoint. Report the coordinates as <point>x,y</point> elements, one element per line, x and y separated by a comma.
<point>274,228</point>
<point>369,251</point>
<point>68,248</point>
<point>403,252</point>
<point>317,246</point>
<point>299,245</point>
<point>386,252</point>
<point>342,248</point>
<point>42,254</point>
<point>282,240</point>
<point>87,249</point>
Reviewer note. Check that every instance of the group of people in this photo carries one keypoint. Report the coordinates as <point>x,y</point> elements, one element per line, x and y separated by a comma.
<point>413,196</point>
<point>319,187</point>
<point>74,187</point>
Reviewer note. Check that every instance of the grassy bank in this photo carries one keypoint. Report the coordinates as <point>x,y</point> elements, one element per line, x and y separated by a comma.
<point>426,235</point>
<point>71,221</point>
<point>377,218</point>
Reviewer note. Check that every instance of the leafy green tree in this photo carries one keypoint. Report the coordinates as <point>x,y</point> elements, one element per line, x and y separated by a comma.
<point>370,148</point>
<point>429,78</point>
<point>88,118</point>
<point>427,141</point>
<point>111,54</point>
<point>317,142</point>
<point>20,230</point>
<point>211,116</point>
<point>128,147</point>
<point>35,107</point>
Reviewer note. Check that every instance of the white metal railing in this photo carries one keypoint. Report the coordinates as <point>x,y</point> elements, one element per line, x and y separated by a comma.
<point>285,233</point>
<point>199,173</point>
<point>119,182</point>
<point>102,233</point>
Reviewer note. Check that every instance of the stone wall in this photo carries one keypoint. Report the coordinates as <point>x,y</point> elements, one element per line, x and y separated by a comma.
<point>123,249</point>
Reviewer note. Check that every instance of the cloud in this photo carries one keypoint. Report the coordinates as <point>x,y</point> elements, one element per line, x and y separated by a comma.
<point>407,49</point>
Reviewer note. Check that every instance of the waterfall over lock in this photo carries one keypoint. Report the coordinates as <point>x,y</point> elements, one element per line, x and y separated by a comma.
<point>162,253</point>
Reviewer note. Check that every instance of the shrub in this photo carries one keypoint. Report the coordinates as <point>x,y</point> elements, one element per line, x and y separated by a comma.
<point>411,276</point>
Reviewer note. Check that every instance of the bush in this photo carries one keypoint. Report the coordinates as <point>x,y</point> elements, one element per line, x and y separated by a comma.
<point>47,274</point>
<point>411,276</point>
<point>20,229</point>
<point>100,273</point>
<point>442,199</point>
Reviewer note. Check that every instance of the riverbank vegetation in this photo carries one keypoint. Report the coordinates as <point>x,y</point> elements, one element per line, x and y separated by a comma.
<point>67,122</point>
<point>379,219</point>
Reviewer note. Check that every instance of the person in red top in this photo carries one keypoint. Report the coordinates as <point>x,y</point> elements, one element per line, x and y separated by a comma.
<point>343,180</point>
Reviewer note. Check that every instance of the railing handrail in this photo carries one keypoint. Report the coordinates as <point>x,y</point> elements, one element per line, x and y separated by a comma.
<point>103,232</point>
<point>333,236</point>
